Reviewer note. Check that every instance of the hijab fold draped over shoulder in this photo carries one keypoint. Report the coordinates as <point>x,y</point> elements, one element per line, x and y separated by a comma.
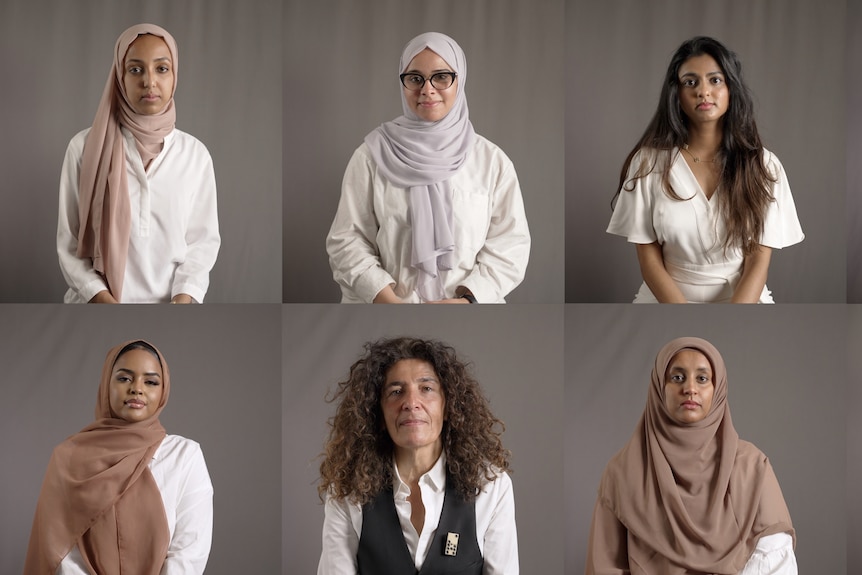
<point>422,156</point>
<point>103,200</point>
<point>692,496</point>
<point>99,494</point>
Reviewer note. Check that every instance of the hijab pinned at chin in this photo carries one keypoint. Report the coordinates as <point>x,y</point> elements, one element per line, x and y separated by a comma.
<point>422,157</point>
<point>99,494</point>
<point>103,199</point>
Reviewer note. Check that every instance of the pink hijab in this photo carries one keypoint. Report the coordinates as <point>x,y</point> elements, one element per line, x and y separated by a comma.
<point>422,156</point>
<point>103,199</point>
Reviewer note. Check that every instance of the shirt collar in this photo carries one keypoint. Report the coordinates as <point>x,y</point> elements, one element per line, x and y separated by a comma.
<point>435,478</point>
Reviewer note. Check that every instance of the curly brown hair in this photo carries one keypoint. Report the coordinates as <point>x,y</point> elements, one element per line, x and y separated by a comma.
<point>357,458</point>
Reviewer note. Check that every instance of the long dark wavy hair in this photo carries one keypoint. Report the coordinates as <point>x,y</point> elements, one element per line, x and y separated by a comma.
<point>357,458</point>
<point>745,180</point>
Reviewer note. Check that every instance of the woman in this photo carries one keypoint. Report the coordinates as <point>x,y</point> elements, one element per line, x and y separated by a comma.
<point>429,211</point>
<point>701,198</point>
<point>414,472</point>
<point>137,220</point>
<point>686,495</point>
<point>121,492</point>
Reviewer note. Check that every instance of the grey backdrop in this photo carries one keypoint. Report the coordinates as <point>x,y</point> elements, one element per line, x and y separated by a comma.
<point>854,443</point>
<point>228,96</point>
<point>340,82</point>
<point>787,377</point>
<point>854,152</point>
<point>225,394</point>
<point>793,55</point>
<point>516,353</point>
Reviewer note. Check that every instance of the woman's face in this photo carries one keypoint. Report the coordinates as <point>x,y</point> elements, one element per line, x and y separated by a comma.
<point>136,385</point>
<point>703,93</point>
<point>429,103</point>
<point>413,405</point>
<point>688,386</point>
<point>148,75</point>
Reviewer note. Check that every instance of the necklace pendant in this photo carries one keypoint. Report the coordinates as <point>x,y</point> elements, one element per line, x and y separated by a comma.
<point>696,159</point>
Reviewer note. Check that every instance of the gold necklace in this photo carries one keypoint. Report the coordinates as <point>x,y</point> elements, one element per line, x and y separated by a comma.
<point>695,158</point>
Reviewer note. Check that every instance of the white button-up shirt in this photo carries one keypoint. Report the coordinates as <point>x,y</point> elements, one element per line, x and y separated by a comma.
<point>495,524</point>
<point>174,236</point>
<point>370,241</point>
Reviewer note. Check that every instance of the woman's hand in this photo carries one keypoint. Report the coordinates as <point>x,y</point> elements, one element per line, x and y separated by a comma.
<point>103,296</point>
<point>182,298</point>
<point>655,275</point>
<point>755,268</point>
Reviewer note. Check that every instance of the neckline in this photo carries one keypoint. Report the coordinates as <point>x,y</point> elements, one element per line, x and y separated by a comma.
<point>698,187</point>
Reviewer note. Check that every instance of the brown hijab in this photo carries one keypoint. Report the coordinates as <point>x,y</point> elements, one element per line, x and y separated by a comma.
<point>103,199</point>
<point>99,493</point>
<point>693,497</point>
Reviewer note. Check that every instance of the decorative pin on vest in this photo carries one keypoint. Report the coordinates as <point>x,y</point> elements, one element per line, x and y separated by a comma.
<point>451,544</point>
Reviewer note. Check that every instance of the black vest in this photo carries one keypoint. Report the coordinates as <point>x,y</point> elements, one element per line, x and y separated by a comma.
<point>383,550</point>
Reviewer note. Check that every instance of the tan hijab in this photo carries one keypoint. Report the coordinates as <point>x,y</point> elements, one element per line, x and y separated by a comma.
<point>103,198</point>
<point>99,493</point>
<point>693,497</point>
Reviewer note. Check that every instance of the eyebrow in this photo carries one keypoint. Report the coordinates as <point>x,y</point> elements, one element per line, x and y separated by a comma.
<point>443,70</point>
<point>130,372</point>
<point>680,368</point>
<point>161,59</point>
<point>708,74</point>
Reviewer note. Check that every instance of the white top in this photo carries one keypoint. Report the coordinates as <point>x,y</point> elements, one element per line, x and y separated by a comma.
<point>495,524</point>
<point>181,475</point>
<point>773,555</point>
<point>174,235</point>
<point>370,242</point>
<point>691,232</point>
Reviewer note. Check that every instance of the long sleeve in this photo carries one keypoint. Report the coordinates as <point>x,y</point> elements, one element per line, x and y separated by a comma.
<point>500,541</point>
<point>78,272</point>
<point>607,548</point>
<point>340,540</point>
<point>192,534</point>
<point>354,255</point>
<point>501,262</point>
<point>201,234</point>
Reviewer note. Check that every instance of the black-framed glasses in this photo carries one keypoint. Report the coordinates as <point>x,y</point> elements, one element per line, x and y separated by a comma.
<point>440,80</point>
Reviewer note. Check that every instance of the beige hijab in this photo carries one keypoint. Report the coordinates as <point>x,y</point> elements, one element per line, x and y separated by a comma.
<point>693,497</point>
<point>99,493</point>
<point>103,198</point>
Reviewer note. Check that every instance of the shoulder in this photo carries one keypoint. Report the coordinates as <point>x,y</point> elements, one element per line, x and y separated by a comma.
<point>772,163</point>
<point>179,449</point>
<point>361,160</point>
<point>76,144</point>
<point>188,143</point>
<point>498,488</point>
<point>362,153</point>
<point>614,476</point>
<point>488,152</point>
<point>749,458</point>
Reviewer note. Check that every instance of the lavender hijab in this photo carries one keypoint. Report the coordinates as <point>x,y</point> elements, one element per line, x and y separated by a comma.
<point>422,156</point>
